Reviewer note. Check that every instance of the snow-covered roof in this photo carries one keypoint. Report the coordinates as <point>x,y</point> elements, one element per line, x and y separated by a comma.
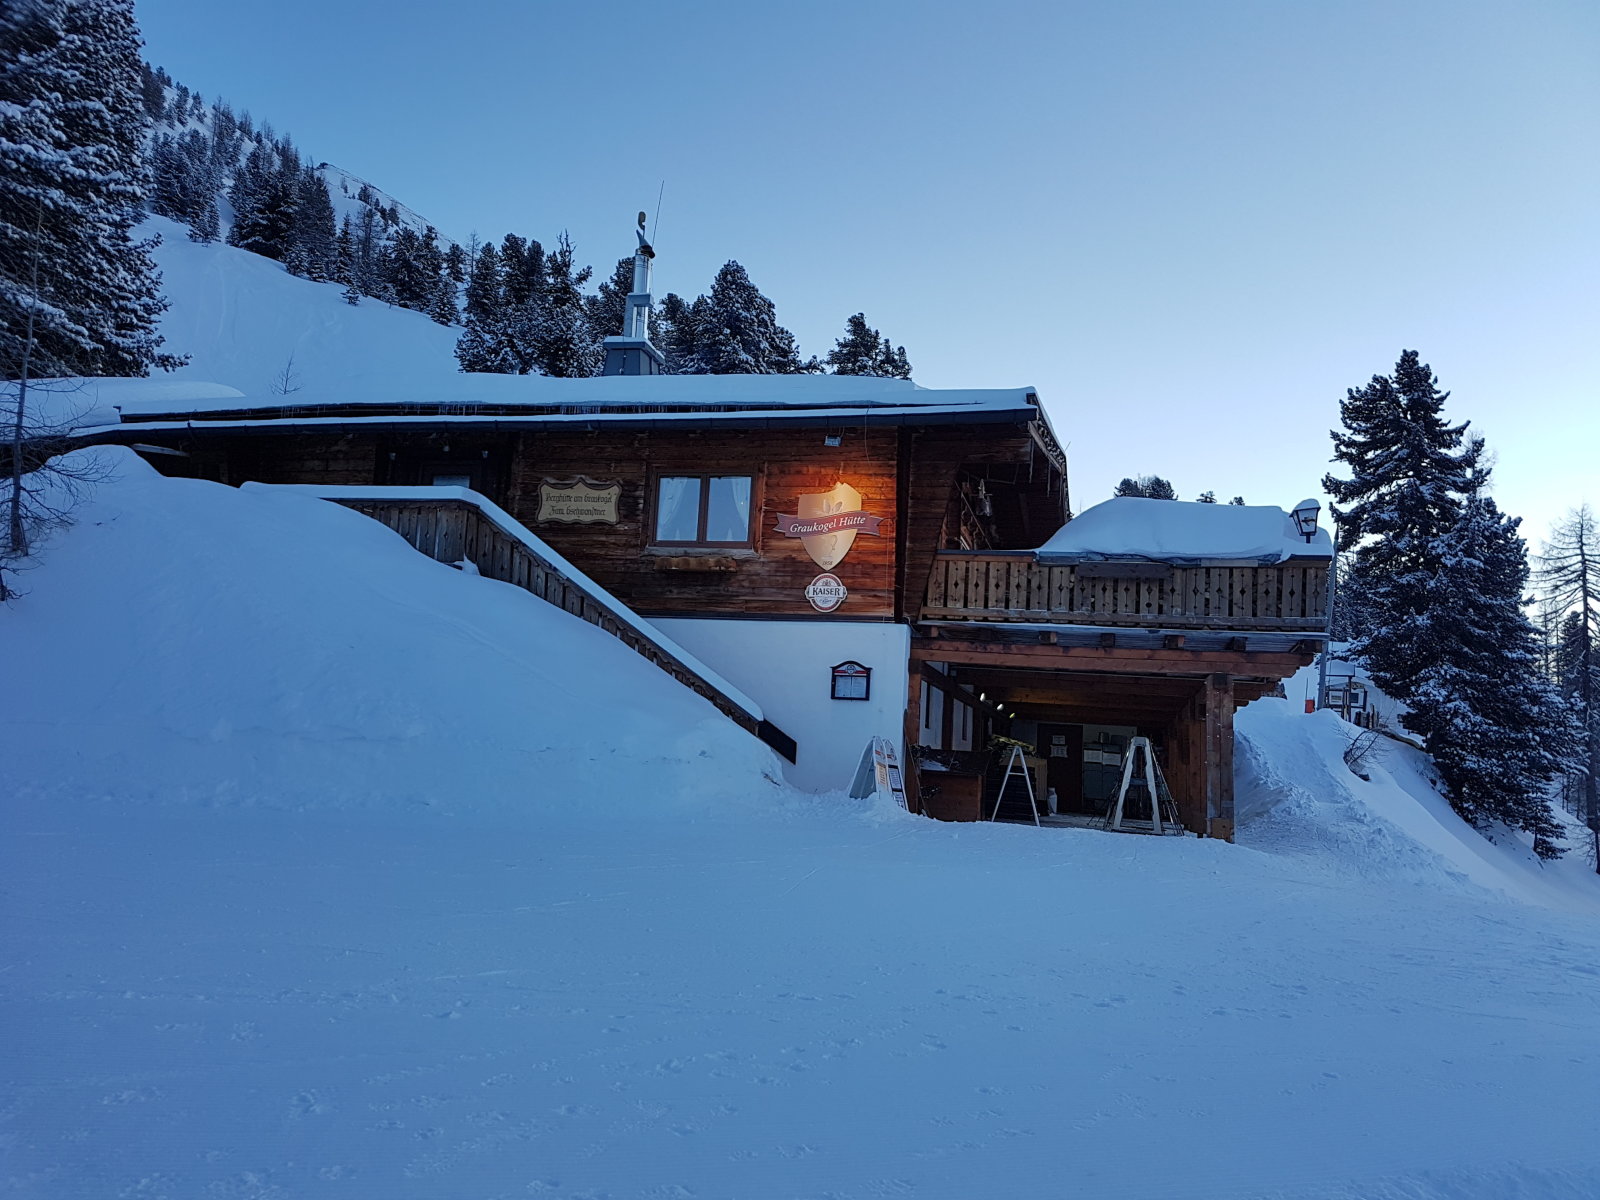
<point>462,394</point>
<point>1135,528</point>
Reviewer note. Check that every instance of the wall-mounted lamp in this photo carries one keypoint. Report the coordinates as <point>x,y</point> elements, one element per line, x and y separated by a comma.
<point>1305,518</point>
<point>832,439</point>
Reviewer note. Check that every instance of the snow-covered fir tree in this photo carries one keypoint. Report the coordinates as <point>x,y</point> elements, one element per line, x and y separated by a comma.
<point>565,343</point>
<point>1152,487</point>
<point>1436,576</point>
<point>78,294</point>
<point>864,351</point>
<point>1569,571</point>
<point>736,331</point>
<point>1497,730</point>
<point>313,251</point>
<point>1410,473</point>
<point>672,331</point>
<point>609,306</point>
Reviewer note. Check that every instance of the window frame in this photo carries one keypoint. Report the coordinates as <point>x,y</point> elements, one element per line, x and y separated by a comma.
<point>704,478</point>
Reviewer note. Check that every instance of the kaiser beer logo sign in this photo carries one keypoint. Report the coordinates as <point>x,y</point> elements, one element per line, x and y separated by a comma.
<point>826,592</point>
<point>827,526</point>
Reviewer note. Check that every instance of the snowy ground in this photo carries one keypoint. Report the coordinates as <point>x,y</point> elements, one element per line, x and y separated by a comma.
<point>330,872</point>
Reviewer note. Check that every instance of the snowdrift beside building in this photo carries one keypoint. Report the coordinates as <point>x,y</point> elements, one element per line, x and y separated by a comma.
<point>186,641</point>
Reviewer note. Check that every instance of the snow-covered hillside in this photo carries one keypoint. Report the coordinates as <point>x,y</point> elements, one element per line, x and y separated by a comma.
<point>330,871</point>
<point>241,318</point>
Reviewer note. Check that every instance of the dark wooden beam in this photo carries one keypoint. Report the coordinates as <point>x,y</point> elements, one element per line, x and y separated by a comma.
<point>1219,756</point>
<point>1126,660</point>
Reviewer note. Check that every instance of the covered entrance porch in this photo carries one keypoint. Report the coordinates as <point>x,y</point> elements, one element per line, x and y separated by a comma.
<point>1077,697</point>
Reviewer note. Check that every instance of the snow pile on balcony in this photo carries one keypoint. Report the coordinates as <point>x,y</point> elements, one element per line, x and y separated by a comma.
<point>1177,531</point>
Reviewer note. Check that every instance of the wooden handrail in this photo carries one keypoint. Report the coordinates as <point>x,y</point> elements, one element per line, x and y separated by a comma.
<point>977,586</point>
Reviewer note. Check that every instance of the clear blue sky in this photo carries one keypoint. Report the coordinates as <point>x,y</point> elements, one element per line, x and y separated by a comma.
<point>1191,225</point>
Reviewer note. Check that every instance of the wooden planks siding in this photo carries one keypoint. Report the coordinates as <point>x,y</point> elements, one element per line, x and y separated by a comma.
<point>973,586</point>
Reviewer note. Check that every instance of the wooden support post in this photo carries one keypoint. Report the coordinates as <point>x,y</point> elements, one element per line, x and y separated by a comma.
<point>1219,756</point>
<point>913,730</point>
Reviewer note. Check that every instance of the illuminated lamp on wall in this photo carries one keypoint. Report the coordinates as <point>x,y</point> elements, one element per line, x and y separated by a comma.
<point>852,681</point>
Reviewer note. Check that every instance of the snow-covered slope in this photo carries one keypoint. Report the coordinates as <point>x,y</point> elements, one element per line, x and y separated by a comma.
<point>193,643</point>
<point>241,318</point>
<point>1296,798</point>
<point>327,871</point>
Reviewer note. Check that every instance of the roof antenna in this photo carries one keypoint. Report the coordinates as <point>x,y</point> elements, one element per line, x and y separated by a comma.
<point>656,224</point>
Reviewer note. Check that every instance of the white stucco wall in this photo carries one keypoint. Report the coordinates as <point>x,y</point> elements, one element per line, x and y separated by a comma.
<point>784,666</point>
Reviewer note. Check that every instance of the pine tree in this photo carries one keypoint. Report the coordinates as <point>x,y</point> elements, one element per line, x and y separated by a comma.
<point>483,289</point>
<point>443,306</point>
<point>314,251</point>
<point>409,272</point>
<point>1410,473</point>
<point>455,263</point>
<point>1206,498</point>
<point>672,331</point>
<point>521,270</point>
<point>73,123</point>
<point>857,352</point>
<point>608,310</point>
<point>736,331</point>
<point>563,340</point>
<point>485,345</point>
<point>1569,570</point>
<point>1498,732</point>
<point>1151,487</point>
<point>265,198</point>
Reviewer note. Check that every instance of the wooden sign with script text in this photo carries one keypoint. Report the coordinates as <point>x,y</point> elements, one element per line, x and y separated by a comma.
<point>579,501</point>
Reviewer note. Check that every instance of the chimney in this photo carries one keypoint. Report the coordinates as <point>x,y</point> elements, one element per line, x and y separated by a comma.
<point>631,353</point>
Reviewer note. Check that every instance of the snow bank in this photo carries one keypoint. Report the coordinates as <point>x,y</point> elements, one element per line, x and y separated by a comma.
<point>1132,527</point>
<point>188,642</point>
<point>1295,798</point>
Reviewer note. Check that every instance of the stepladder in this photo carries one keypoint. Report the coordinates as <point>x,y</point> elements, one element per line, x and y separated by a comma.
<point>1017,767</point>
<point>1142,777</point>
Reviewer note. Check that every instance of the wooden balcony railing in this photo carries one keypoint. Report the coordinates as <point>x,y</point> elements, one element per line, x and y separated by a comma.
<point>1012,586</point>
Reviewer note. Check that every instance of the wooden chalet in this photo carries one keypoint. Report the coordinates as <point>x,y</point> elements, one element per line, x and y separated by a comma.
<point>864,557</point>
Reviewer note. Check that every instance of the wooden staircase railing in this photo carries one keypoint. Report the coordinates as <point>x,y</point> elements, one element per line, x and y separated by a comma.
<point>455,525</point>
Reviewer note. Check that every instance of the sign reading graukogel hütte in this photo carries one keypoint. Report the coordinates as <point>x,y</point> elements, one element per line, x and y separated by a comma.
<point>577,501</point>
<point>827,524</point>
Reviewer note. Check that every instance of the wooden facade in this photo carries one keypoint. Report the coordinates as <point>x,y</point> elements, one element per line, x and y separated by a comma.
<point>1000,641</point>
<point>907,475</point>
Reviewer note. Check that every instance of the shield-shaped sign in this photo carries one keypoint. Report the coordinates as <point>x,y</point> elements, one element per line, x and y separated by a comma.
<point>827,524</point>
<point>827,550</point>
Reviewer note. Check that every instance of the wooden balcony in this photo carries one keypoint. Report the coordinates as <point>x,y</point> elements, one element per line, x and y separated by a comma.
<point>1013,586</point>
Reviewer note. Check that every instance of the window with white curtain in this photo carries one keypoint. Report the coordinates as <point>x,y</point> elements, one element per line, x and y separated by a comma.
<point>706,510</point>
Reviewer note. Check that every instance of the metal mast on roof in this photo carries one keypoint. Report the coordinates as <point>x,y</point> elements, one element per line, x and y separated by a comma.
<point>632,353</point>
